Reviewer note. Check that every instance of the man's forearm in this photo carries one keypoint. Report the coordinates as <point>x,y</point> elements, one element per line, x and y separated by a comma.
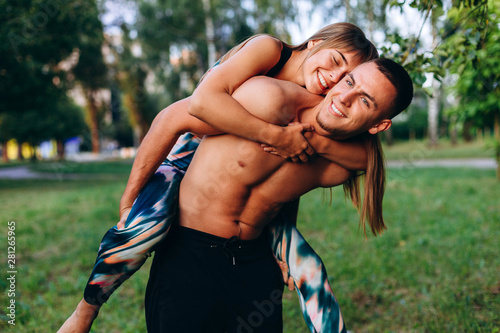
<point>348,154</point>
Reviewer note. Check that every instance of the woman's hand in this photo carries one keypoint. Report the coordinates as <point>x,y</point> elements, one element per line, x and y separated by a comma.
<point>286,277</point>
<point>123,218</point>
<point>292,144</point>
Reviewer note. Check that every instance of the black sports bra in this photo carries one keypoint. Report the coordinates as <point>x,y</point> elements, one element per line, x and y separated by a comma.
<point>285,55</point>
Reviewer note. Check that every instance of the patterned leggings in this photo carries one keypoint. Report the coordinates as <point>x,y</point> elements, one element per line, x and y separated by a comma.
<point>122,252</point>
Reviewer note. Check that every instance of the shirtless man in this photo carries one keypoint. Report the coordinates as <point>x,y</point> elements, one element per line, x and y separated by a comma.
<point>216,269</point>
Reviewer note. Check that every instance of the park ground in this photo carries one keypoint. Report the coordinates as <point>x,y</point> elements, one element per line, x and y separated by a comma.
<point>435,269</point>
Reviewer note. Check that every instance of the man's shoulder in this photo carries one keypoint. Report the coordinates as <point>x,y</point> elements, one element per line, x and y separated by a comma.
<point>282,92</point>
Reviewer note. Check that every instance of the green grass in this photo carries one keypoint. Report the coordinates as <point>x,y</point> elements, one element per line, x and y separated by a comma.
<point>411,150</point>
<point>120,167</point>
<point>435,269</point>
<point>11,164</point>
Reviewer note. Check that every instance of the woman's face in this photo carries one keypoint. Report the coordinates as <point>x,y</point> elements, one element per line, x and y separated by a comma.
<point>326,68</point>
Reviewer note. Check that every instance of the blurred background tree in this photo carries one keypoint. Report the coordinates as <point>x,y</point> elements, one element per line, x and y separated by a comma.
<point>38,39</point>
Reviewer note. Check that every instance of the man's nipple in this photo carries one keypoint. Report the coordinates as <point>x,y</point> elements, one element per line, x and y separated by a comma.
<point>242,164</point>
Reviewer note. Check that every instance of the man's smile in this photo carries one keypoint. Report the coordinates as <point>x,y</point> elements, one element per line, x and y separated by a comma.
<point>336,112</point>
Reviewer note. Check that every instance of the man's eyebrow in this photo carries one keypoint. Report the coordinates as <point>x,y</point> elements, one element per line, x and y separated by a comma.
<point>345,60</point>
<point>364,92</point>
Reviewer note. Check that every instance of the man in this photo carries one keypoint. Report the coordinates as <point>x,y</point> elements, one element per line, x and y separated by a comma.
<point>215,271</point>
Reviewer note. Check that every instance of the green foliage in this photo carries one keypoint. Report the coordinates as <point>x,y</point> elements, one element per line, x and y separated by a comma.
<point>164,28</point>
<point>35,36</point>
<point>440,60</point>
<point>477,64</point>
<point>415,124</point>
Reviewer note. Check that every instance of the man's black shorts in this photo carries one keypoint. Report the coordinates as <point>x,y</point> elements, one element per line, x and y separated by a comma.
<point>204,283</point>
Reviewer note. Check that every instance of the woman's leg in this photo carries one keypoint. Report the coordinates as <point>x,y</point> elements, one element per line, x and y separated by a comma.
<point>123,251</point>
<point>319,306</point>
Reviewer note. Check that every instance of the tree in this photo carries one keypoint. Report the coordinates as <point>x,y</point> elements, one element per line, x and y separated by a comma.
<point>66,121</point>
<point>90,71</point>
<point>172,43</point>
<point>434,99</point>
<point>477,67</point>
<point>36,37</point>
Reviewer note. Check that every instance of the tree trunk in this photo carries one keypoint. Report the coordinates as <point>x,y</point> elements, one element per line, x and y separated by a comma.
<point>94,121</point>
<point>497,152</point>
<point>467,131</point>
<point>33,156</point>
<point>209,33</point>
<point>20,156</point>
<point>496,130</point>
<point>453,130</point>
<point>5,155</point>
<point>60,149</point>
<point>433,102</point>
<point>496,127</point>
<point>433,115</point>
<point>137,135</point>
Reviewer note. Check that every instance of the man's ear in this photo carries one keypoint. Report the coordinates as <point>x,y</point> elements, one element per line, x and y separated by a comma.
<point>380,127</point>
<point>312,43</point>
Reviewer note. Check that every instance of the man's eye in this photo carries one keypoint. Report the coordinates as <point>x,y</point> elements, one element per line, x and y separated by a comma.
<point>365,102</point>
<point>349,83</point>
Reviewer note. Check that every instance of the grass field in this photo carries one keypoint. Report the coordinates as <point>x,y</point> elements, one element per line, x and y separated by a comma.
<point>436,268</point>
<point>419,150</point>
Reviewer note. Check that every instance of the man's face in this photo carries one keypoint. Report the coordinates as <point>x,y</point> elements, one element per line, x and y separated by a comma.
<point>357,104</point>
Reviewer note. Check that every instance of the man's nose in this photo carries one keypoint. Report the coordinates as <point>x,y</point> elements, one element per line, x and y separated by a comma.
<point>345,98</point>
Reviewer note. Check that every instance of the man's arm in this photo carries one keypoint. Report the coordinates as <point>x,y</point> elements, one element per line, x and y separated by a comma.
<point>279,102</point>
<point>260,96</point>
<point>350,154</point>
<point>168,125</point>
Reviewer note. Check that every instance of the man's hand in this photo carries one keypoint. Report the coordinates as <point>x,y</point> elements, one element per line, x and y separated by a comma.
<point>292,144</point>
<point>123,218</point>
<point>286,278</point>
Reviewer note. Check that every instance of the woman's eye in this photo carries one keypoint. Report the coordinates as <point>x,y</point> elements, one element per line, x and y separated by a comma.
<point>349,83</point>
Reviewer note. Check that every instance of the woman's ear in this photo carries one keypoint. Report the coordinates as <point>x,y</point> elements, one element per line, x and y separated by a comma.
<point>380,127</point>
<point>312,43</point>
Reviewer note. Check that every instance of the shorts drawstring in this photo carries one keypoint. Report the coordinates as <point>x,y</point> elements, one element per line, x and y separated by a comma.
<point>225,246</point>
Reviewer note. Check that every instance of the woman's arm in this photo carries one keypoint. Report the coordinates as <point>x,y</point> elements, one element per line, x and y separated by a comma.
<point>212,101</point>
<point>168,125</point>
<point>349,154</point>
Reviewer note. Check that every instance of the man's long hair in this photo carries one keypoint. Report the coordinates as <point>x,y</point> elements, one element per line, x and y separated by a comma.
<point>370,208</point>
